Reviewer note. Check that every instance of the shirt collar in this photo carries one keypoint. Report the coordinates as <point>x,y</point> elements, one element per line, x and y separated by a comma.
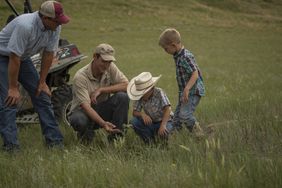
<point>90,74</point>
<point>39,22</point>
<point>179,53</point>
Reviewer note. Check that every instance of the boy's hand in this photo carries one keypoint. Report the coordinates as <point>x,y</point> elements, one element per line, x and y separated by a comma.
<point>147,120</point>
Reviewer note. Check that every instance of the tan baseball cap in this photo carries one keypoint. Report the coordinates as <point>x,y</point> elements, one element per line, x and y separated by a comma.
<point>106,51</point>
<point>54,9</point>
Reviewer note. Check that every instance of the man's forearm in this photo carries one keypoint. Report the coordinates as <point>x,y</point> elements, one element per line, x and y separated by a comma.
<point>115,88</point>
<point>13,70</point>
<point>94,116</point>
<point>47,58</point>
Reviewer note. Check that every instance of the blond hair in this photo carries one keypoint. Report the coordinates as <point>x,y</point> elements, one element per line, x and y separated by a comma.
<point>169,36</point>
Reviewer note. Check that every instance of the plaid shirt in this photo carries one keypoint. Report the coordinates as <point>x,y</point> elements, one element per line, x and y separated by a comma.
<point>185,66</point>
<point>154,106</point>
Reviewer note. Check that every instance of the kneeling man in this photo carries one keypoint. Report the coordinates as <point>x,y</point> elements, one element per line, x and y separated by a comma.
<point>99,97</point>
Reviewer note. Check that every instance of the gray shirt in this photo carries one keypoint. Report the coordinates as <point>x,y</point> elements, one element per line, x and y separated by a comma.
<point>26,36</point>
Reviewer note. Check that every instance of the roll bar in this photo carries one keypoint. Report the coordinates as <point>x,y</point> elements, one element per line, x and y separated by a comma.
<point>12,7</point>
<point>27,7</point>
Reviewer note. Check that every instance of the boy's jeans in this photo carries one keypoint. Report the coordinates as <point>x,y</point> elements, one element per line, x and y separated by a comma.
<point>184,113</point>
<point>148,132</point>
<point>29,78</point>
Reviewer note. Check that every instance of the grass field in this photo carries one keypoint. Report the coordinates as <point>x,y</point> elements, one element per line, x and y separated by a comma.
<point>238,46</point>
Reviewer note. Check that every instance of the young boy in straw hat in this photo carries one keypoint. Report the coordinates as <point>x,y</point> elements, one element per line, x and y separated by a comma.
<point>155,119</point>
<point>189,79</point>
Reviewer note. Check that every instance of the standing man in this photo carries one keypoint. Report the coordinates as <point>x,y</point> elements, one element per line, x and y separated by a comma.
<point>23,37</point>
<point>99,97</point>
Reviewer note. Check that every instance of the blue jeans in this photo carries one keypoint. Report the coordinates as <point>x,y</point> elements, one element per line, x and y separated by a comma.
<point>114,110</point>
<point>29,78</point>
<point>184,112</point>
<point>147,132</point>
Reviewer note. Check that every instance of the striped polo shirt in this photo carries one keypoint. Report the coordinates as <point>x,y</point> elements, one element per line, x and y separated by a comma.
<point>84,83</point>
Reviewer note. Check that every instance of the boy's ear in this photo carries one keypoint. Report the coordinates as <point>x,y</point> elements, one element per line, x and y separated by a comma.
<point>174,44</point>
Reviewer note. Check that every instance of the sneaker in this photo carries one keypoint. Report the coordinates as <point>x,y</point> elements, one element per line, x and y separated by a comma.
<point>197,130</point>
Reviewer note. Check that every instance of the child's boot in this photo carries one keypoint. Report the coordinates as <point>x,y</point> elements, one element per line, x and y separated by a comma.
<point>197,130</point>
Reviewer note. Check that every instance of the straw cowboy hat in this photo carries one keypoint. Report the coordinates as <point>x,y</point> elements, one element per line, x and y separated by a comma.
<point>140,85</point>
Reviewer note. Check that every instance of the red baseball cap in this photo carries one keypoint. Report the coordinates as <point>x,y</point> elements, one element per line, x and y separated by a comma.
<point>54,9</point>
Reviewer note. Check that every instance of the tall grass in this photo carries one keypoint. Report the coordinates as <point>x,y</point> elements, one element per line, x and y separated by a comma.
<point>237,45</point>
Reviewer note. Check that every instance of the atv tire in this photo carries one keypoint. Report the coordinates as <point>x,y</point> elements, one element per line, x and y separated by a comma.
<point>61,100</point>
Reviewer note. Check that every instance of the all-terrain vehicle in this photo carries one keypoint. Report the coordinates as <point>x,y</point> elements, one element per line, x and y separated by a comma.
<point>58,77</point>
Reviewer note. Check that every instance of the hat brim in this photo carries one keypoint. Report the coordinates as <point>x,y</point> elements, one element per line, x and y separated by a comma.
<point>63,19</point>
<point>135,94</point>
<point>108,57</point>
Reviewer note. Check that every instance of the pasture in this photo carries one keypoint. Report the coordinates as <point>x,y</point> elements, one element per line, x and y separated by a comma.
<point>238,47</point>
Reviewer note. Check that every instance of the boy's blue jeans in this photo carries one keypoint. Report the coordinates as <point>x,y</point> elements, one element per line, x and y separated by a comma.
<point>29,78</point>
<point>184,112</point>
<point>147,132</point>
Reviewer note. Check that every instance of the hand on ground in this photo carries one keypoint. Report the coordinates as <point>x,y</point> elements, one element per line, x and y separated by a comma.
<point>111,128</point>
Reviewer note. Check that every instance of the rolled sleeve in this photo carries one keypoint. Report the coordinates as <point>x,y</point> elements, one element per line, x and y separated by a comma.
<point>80,91</point>
<point>116,75</point>
<point>164,99</point>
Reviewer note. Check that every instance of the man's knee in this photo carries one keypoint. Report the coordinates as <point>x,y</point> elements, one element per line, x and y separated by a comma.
<point>122,98</point>
<point>79,121</point>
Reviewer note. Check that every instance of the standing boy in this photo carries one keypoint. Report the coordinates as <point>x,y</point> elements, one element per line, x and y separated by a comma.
<point>189,79</point>
<point>151,108</point>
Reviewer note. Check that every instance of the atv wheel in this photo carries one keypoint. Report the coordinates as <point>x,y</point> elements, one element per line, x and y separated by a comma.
<point>61,100</point>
